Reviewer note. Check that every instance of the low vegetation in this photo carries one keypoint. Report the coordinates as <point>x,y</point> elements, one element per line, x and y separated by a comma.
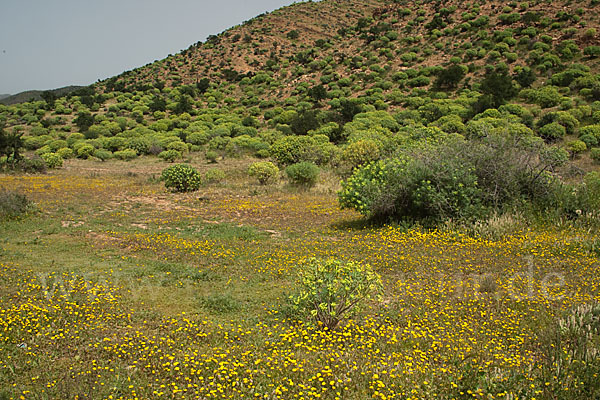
<point>434,234</point>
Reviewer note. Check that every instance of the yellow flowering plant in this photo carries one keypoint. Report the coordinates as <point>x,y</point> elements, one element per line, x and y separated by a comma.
<point>331,290</point>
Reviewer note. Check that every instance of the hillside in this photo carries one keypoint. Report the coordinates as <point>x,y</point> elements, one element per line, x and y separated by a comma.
<point>313,68</point>
<point>369,42</point>
<point>35,95</point>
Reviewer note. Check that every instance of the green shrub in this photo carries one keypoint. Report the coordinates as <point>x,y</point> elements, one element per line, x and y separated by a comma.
<point>13,204</point>
<point>263,153</point>
<point>65,153</point>
<point>181,178</point>
<point>198,138</point>
<point>43,150</point>
<point>293,149</point>
<point>178,145</point>
<point>576,146</point>
<point>103,154</point>
<point>589,140</point>
<point>458,179</point>
<point>413,188</point>
<point>52,160</point>
<point>546,97</point>
<point>141,145</point>
<point>595,154</point>
<point>264,171</point>
<point>32,165</point>
<point>214,175</point>
<point>57,144</point>
<point>35,142</point>
<point>328,291</point>
<point>563,118</point>
<point>126,155</point>
<point>553,131</point>
<point>592,51</point>
<point>591,130</point>
<point>361,152</point>
<point>303,173</point>
<point>169,155</point>
<point>85,150</point>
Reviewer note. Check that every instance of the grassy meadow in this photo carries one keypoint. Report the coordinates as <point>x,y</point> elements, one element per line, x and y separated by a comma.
<point>114,288</point>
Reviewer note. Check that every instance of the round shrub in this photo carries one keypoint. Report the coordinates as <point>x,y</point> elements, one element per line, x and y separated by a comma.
<point>178,145</point>
<point>552,131</point>
<point>181,178</point>
<point>57,144</point>
<point>563,118</point>
<point>52,160</point>
<point>43,150</point>
<point>592,130</point>
<point>126,155</point>
<point>576,146</point>
<point>74,138</point>
<point>198,138</point>
<point>103,154</point>
<point>65,153</point>
<point>141,145</point>
<point>264,171</point>
<point>547,96</point>
<point>361,152</point>
<point>35,142</point>
<point>169,155</point>
<point>589,140</point>
<point>85,150</point>
<point>214,175</point>
<point>303,173</point>
<point>262,153</point>
<point>328,291</point>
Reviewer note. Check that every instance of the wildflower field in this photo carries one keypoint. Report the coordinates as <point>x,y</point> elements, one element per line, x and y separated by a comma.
<point>114,288</point>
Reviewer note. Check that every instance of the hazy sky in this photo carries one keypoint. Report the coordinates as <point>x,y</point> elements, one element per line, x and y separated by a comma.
<point>46,44</point>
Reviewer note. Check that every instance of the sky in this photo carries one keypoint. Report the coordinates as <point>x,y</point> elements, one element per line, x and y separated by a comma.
<point>47,44</point>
